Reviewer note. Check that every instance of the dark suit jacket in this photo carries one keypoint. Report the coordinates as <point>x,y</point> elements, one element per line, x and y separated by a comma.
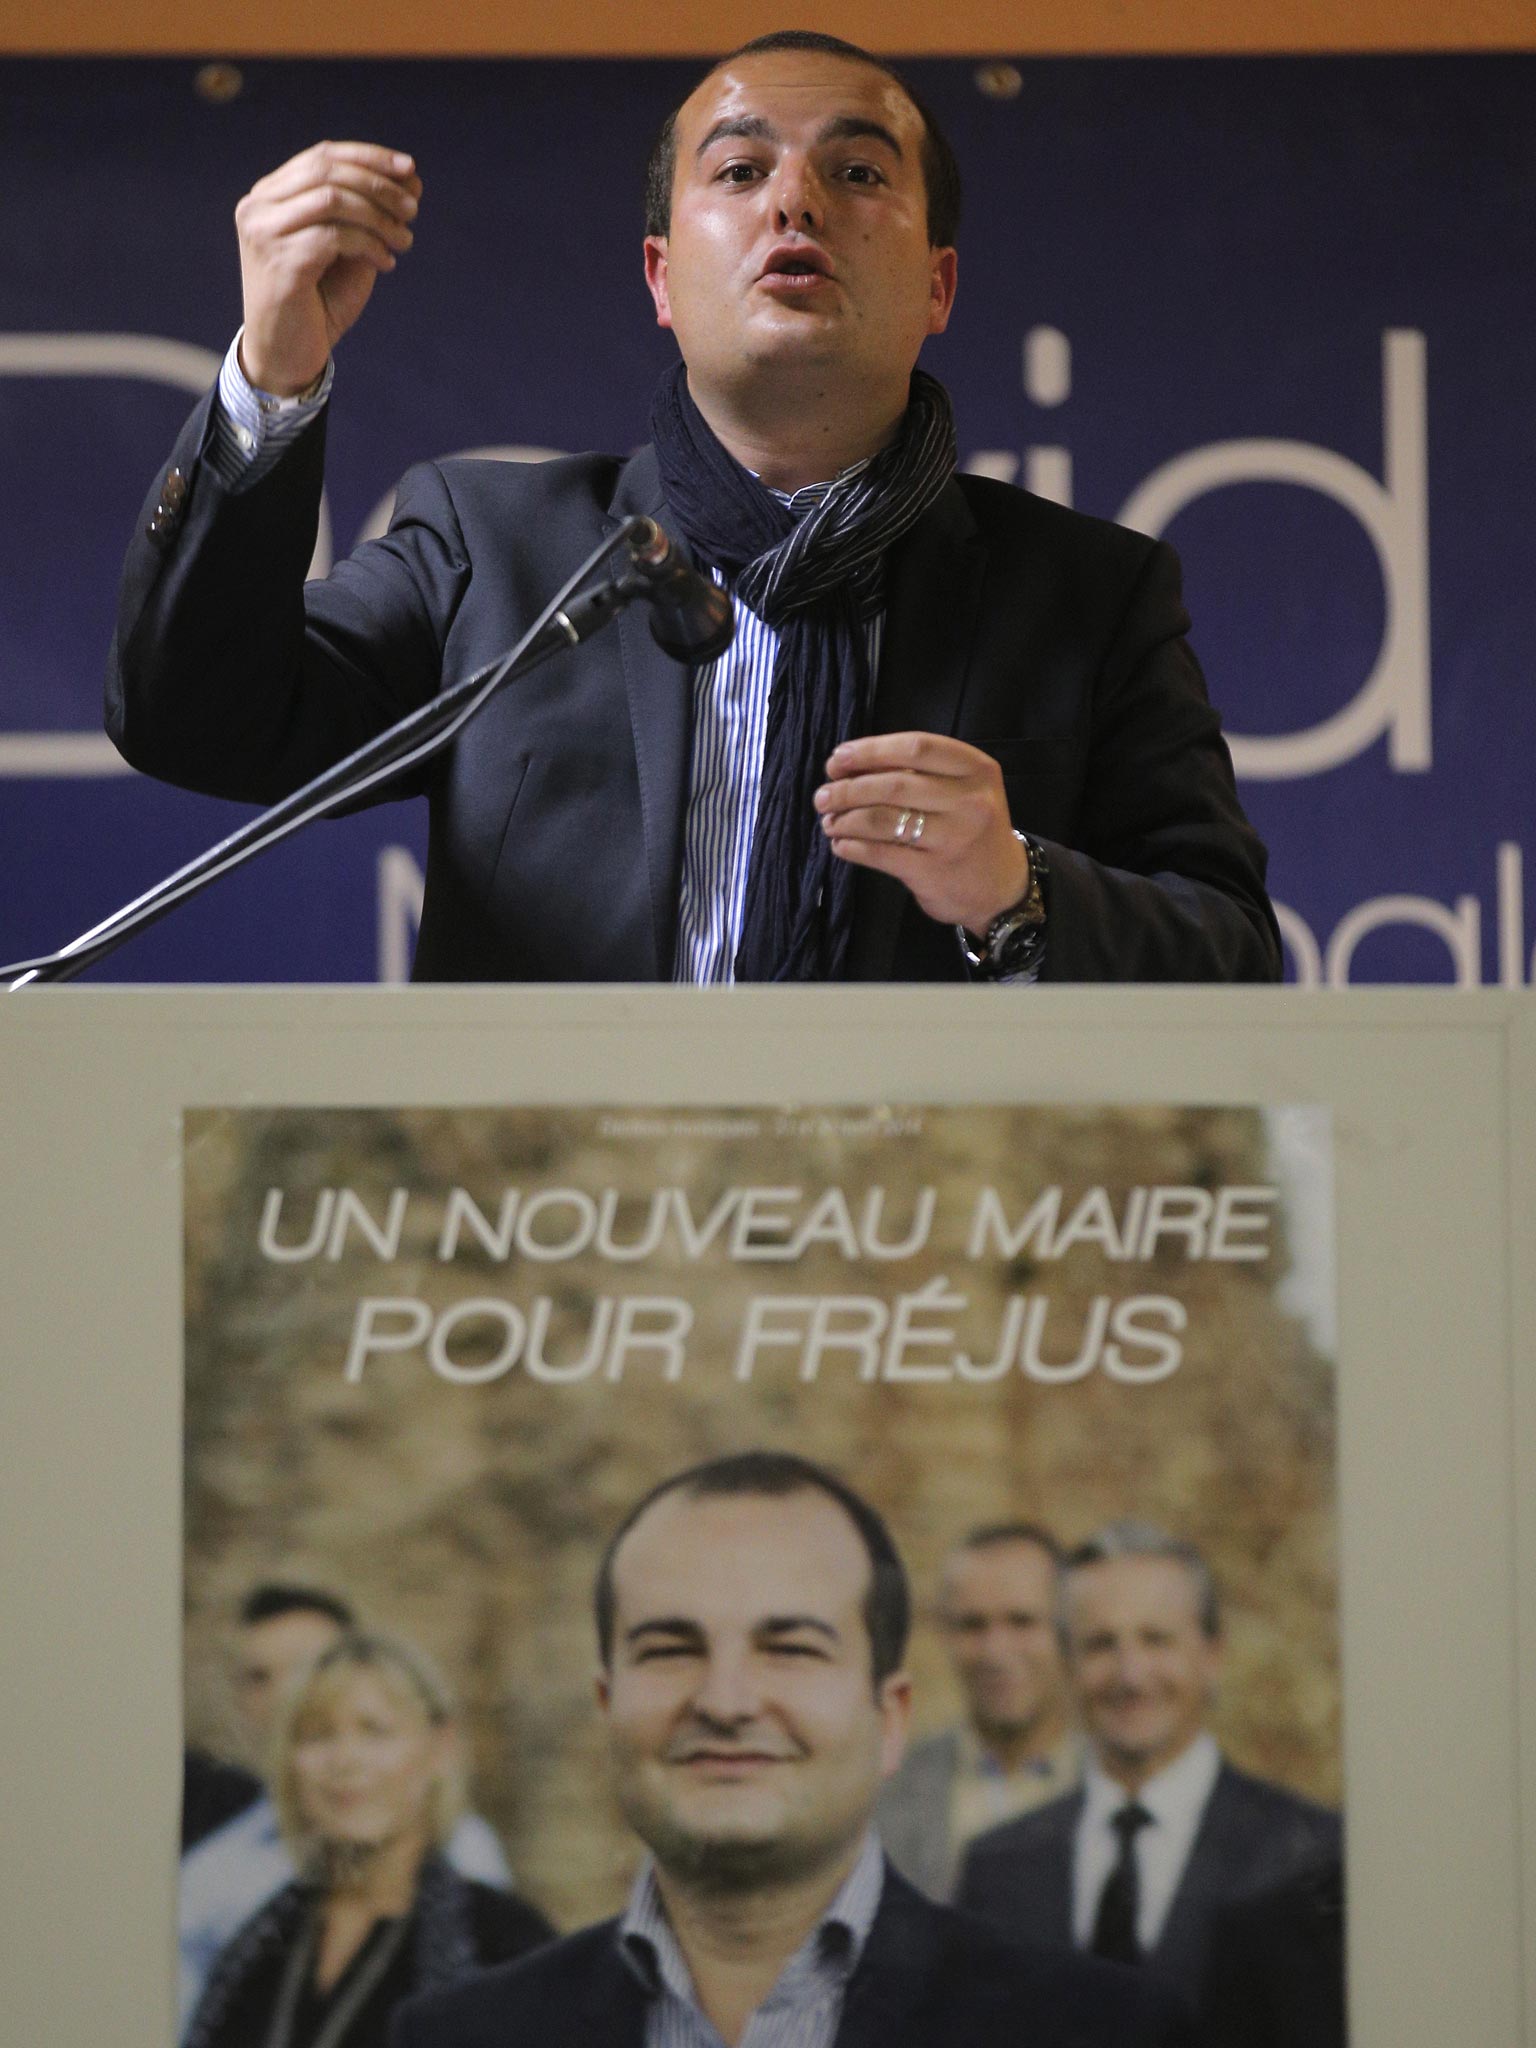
<point>212,1792</point>
<point>1252,1835</point>
<point>555,850</point>
<point>928,1978</point>
<point>1276,1975</point>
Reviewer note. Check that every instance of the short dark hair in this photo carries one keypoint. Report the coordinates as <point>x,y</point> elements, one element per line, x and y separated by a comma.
<point>265,1602</point>
<point>941,173</point>
<point>773,1475</point>
<point>1130,1538</point>
<point>991,1535</point>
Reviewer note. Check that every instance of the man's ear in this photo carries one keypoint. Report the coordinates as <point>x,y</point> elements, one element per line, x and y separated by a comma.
<point>943,274</point>
<point>656,277</point>
<point>894,1699</point>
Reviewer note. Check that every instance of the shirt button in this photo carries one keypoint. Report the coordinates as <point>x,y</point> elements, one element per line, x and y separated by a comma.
<point>246,438</point>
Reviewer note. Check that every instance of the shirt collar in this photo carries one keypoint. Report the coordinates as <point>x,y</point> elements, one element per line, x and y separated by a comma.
<point>1061,1762</point>
<point>1179,1789</point>
<point>651,1950</point>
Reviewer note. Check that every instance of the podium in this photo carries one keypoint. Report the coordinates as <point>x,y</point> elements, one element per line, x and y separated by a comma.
<point>1433,1102</point>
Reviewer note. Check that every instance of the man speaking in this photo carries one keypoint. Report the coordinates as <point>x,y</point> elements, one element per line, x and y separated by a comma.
<point>959,732</point>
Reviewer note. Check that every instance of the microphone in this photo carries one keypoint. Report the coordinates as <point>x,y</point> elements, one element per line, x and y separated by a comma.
<point>691,617</point>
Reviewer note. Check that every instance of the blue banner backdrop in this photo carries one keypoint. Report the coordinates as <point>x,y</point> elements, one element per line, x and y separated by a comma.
<point>1280,309</point>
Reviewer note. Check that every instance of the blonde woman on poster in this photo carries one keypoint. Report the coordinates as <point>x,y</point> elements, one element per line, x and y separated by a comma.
<point>366,1784</point>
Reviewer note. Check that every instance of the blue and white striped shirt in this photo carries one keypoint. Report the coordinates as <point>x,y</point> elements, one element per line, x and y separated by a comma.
<point>806,2003</point>
<point>252,428</point>
<point>730,723</point>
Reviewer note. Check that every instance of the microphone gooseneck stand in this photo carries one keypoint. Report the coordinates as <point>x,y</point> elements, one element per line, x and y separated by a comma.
<point>691,620</point>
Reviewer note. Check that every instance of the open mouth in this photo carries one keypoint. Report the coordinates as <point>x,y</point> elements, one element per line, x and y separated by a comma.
<point>796,269</point>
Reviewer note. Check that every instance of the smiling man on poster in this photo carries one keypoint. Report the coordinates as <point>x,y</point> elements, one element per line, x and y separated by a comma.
<point>1165,1832</point>
<point>752,1616</point>
<point>959,732</point>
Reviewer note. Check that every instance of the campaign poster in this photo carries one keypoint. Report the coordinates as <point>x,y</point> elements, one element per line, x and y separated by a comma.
<point>434,1356</point>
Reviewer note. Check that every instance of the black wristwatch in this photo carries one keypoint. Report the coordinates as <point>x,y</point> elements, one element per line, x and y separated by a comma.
<point>1014,942</point>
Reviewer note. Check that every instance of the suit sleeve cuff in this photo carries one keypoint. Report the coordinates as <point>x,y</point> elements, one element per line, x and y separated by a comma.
<point>251,428</point>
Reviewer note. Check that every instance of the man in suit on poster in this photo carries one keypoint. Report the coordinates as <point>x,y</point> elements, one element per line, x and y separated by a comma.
<point>752,1616</point>
<point>989,751</point>
<point>1165,1831</point>
<point>1016,1747</point>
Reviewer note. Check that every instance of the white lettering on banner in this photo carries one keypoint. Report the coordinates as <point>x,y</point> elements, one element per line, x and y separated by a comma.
<point>1047,360</point>
<point>1461,929</point>
<point>887,1342</point>
<point>1201,1225</point>
<point>383,1239</point>
<point>267,1241</point>
<point>185,366</point>
<point>635,1328</point>
<point>1048,381</point>
<point>1395,697</point>
<point>1459,925</point>
<point>1510,888</point>
<point>401,890</point>
<point>384,1324</point>
<point>764,1223</point>
<point>1296,936</point>
<point>149,358</point>
<point>338,1213</point>
<point>1047,366</point>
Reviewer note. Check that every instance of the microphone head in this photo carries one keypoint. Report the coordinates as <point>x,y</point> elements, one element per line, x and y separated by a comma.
<point>698,630</point>
<point>692,618</point>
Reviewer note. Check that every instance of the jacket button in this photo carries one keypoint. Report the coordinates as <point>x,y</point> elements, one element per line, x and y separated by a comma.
<point>174,489</point>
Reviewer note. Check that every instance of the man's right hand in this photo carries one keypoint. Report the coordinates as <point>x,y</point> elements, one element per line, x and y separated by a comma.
<point>314,234</point>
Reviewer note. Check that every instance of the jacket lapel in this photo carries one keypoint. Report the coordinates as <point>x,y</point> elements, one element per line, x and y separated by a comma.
<point>660,696</point>
<point>933,592</point>
<point>1213,1872</point>
<point>608,2011</point>
<point>895,1974</point>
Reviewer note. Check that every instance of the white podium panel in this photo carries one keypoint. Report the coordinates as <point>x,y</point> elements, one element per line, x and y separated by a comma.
<point>1433,1103</point>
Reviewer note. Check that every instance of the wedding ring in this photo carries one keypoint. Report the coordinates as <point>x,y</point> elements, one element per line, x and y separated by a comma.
<point>902,823</point>
<point>917,826</point>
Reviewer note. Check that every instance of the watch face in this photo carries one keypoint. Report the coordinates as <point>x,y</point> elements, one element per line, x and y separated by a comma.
<point>1016,949</point>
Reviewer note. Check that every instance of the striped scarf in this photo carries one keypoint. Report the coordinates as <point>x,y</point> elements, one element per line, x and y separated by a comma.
<point>814,581</point>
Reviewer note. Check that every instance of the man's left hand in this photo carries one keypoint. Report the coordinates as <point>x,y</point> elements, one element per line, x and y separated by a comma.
<point>931,811</point>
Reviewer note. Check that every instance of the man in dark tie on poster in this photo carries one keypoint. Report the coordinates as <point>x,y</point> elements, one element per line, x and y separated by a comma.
<point>959,733</point>
<point>1164,1832</point>
<point>752,1616</point>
